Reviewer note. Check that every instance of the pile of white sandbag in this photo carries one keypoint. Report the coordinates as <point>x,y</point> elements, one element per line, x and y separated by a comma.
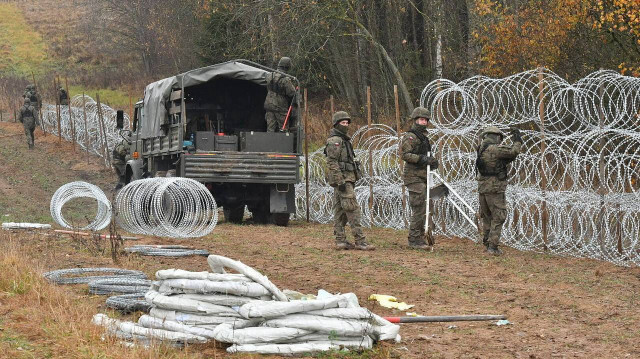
<point>249,312</point>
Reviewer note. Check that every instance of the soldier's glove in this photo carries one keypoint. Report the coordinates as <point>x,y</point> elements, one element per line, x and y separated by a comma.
<point>342,187</point>
<point>425,161</point>
<point>433,162</point>
<point>517,137</point>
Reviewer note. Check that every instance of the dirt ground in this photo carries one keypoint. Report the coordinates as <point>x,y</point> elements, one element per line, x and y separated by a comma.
<point>558,307</point>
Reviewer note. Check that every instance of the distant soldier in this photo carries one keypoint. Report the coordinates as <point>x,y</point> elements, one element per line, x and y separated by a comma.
<point>416,152</point>
<point>119,161</point>
<point>492,167</point>
<point>342,174</point>
<point>280,96</point>
<point>29,118</point>
<point>63,97</point>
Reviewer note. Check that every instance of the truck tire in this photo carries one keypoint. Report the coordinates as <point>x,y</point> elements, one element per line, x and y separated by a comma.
<point>280,219</point>
<point>261,216</point>
<point>233,214</point>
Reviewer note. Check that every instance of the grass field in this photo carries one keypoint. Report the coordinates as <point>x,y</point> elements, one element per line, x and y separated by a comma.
<point>22,50</point>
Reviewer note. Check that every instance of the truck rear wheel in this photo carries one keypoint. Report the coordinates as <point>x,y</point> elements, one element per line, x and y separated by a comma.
<point>280,219</point>
<point>233,214</point>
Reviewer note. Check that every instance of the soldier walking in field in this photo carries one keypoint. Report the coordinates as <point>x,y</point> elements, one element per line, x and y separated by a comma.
<point>280,96</point>
<point>416,152</point>
<point>63,97</point>
<point>342,174</point>
<point>492,167</point>
<point>29,118</point>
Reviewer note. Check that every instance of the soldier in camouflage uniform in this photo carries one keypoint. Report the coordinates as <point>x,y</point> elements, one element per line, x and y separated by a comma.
<point>281,95</point>
<point>119,162</point>
<point>416,150</point>
<point>29,118</point>
<point>342,173</point>
<point>63,97</point>
<point>492,167</point>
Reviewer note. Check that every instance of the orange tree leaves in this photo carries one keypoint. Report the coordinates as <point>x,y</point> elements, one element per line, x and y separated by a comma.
<point>620,20</point>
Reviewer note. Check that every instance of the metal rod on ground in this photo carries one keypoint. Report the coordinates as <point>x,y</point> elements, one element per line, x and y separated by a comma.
<point>445,318</point>
<point>73,126</point>
<point>306,153</point>
<point>87,141</point>
<point>404,190</point>
<point>370,158</point>
<point>107,236</point>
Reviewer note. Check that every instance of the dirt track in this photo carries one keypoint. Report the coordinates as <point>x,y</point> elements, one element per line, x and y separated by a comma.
<point>559,307</point>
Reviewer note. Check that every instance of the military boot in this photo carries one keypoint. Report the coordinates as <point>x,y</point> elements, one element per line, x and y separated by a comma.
<point>420,243</point>
<point>485,243</point>
<point>343,244</point>
<point>494,250</point>
<point>364,246</point>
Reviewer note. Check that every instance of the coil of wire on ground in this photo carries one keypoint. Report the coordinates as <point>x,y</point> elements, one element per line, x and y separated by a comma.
<point>127,303</point>
<point>166,251</point>
<point>168,207</point>
<point>81,189</point>
<point>125,285</point>
<point>78,275</point>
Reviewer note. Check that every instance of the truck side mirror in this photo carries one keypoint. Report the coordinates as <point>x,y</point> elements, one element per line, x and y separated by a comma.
<point>120,119</point>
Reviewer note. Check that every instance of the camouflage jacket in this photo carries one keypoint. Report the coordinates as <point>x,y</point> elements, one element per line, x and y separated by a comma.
<point>341,164</point>
<point>495,156</point>
<point>412,148</point>
<point>28,112</point>
<point>120,153</point>
<point>281,93</point>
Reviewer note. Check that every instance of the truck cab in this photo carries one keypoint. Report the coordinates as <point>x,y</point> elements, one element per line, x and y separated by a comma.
<point>208,124</point>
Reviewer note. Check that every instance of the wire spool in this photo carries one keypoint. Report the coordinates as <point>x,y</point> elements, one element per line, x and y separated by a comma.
<point>166,251</point>
<point>78,275</point>
<point>81,189</point>
<point>126,285</point>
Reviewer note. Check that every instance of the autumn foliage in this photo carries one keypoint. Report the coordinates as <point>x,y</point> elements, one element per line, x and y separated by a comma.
<point>620,20</point>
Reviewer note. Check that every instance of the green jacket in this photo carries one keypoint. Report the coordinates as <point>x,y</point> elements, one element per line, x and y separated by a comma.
<point>28,112</point>
<point>281,93</point>
<point>341,164</point>
<point>412,149</point>
<point>495,156</point>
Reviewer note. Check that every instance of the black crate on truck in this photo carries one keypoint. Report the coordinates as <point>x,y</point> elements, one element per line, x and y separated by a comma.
<point>208,124</point>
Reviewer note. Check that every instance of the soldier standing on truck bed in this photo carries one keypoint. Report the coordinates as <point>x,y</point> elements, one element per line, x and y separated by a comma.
<point>342,173</point>
<point>492,167</point>
<point>416,152</point>
<point>29,118</point>
<point>280,96</point>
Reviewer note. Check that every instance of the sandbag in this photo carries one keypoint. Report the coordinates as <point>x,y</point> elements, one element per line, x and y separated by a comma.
<point>215,277</point>
<point>249,289</point>
<point>188,305</point>
<point>218,263</point>
<point>275,309</point>
<point>226,333</point>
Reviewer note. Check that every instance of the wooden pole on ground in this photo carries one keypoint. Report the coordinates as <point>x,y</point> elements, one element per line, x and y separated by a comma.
<point>87,140</point>
<point>332,107</point>
<point>55,92</point>
<point>370,157</point>
<point>73,125</point>
<point>401,165</point>
<point>543,148</point>
<point>306,153</point>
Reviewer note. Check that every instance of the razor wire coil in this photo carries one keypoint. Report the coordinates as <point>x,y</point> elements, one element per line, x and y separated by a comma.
<point>128,303</point>
<point>78,275</point>
<point>166,251</point>
<point>126,285</point>
<point>81,189</point>
<point>169,207</point>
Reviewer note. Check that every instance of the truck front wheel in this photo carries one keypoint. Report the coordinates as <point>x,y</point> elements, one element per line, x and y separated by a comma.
<point>280,219</point>
<point>233,214</point>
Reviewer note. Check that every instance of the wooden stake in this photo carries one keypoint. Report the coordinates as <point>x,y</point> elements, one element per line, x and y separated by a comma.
<point>332,108</point>
<point>543,148</point>
<point>55,91</point>
<point>73,125</point>
<point>370,157</point>
<point>105,145</point>
<point>39,105</point>
<point>401,165</point>
<point>131,112</point>
<point>601,173</point>
<point>306,153</point>
<point>87,141</point>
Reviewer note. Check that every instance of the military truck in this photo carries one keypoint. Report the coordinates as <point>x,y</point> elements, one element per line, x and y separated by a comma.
<point>208,124</point>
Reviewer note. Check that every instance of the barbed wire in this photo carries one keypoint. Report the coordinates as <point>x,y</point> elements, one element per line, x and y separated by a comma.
<point>574,187</point>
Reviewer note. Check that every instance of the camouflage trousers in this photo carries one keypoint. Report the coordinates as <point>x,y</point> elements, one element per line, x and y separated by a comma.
<point>342,215</point>
<point>29,125</point>
<point>275,120</point>
<point>418,203</point>
<point>119,169</point>
<point>493,211</point>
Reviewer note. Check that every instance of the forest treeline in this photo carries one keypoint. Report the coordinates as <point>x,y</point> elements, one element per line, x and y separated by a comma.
<point>339,47</point>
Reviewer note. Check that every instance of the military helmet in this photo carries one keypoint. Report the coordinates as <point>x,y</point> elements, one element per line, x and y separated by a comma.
<point>339,116</point>
<point>284,63</point>
<point>492,129</point>
<point>419,112</point>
